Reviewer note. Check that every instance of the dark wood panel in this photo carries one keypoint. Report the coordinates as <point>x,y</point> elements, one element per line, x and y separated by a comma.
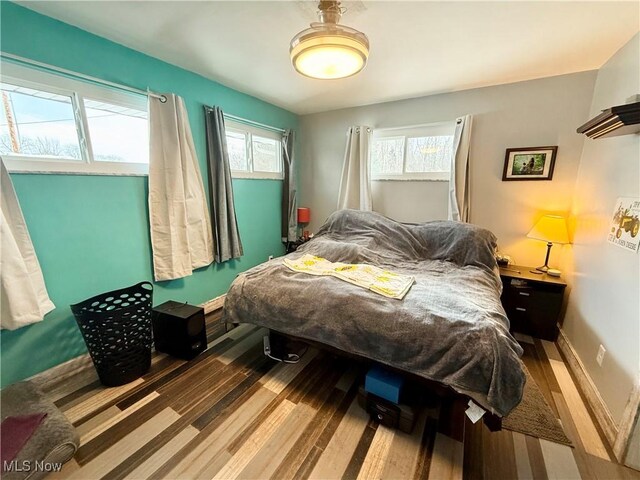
<point>357,459</point>
<point>426,449</point>
<point>536,459</point>
<point>546,380</point>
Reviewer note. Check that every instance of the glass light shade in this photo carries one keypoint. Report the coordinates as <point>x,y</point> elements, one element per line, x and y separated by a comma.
<point>550,228</point>
<point>329,52</point>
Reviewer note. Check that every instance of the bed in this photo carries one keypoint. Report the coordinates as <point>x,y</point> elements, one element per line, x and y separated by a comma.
<point>450,327</point>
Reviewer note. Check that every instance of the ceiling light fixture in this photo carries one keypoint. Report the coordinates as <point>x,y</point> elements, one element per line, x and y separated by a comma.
<point>328,50</point>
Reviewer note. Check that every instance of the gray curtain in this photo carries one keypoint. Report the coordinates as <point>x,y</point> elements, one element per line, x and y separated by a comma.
<point>226,237</point>
<point>289,192</point>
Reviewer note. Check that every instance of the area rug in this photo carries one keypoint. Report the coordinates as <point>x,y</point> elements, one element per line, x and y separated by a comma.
<point>533,416</point>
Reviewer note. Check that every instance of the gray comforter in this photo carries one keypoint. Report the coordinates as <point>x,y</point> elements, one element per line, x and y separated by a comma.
<point>450,327</point>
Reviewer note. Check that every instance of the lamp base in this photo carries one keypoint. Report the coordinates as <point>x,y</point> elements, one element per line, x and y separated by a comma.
<point>540,270</point>
<point>544,268</point>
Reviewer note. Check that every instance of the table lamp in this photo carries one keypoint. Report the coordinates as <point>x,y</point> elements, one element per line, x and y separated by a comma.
<point>551,229</point>
<point>304,217</point>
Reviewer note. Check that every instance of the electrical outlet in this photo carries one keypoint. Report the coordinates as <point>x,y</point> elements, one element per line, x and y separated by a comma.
<point>600,356</point>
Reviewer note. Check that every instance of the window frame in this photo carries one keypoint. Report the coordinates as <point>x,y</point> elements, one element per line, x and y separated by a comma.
<point>77,91</point>
<point>249,131</point>
<point>405,133</point>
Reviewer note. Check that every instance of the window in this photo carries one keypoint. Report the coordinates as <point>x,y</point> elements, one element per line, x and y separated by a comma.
<point>53,124</point>
<point>412,153</point>
<point>254,152</point>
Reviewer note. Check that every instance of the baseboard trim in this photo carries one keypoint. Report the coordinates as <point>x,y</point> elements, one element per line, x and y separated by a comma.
<point>213,304</point>
<point>55,375</point>
<point>627,424</point>
<point>49,378</point>
<point>588,388</point>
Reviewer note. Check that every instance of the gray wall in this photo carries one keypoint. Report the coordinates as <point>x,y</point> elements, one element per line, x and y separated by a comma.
<point>411,200</point>
<point>533,113</point>
<point>604,304</point>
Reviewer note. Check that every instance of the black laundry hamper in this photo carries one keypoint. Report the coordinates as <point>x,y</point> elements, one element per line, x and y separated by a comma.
<point>116,327</point>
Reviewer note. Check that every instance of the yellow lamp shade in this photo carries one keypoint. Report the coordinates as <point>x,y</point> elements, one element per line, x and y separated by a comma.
<point>550,228</point>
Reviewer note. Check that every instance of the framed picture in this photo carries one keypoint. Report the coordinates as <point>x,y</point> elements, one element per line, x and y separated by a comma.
<point>530,163</point>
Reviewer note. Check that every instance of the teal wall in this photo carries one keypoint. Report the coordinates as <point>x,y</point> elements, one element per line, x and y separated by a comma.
<point>91,232</point>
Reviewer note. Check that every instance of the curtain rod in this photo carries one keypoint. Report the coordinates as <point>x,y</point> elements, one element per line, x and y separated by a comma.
<point>64,71</point>
<point>252,123</point>
<point>406,127</point>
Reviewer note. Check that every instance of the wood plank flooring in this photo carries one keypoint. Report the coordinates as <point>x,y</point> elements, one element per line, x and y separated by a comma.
<point>232,413</point>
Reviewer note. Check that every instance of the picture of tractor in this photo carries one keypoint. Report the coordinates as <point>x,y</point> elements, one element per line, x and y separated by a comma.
<point>628,223</point>
<point>618,215</point>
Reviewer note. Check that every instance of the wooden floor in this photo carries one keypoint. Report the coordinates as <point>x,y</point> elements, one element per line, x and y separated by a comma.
<point>231,413</point>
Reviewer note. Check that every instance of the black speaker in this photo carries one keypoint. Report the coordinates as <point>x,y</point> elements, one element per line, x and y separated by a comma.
<point>179,329</point>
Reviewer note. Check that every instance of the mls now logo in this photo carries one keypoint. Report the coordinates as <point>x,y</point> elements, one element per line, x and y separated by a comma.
<point>29,466</point>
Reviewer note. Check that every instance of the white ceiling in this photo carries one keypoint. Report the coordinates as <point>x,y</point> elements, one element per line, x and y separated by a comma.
<point>417,48</point>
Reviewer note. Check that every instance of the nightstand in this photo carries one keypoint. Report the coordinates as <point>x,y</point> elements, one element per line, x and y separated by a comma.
<point>532,302</point>
<point>293,246</point>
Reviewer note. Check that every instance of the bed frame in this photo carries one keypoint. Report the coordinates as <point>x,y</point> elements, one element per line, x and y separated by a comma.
<point>493,422</point>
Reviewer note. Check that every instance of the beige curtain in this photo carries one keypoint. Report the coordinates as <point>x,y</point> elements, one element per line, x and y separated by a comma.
<point>355,186</point>
<point>23,295</point>
<point>459,188</point>
<point>181,236</point>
